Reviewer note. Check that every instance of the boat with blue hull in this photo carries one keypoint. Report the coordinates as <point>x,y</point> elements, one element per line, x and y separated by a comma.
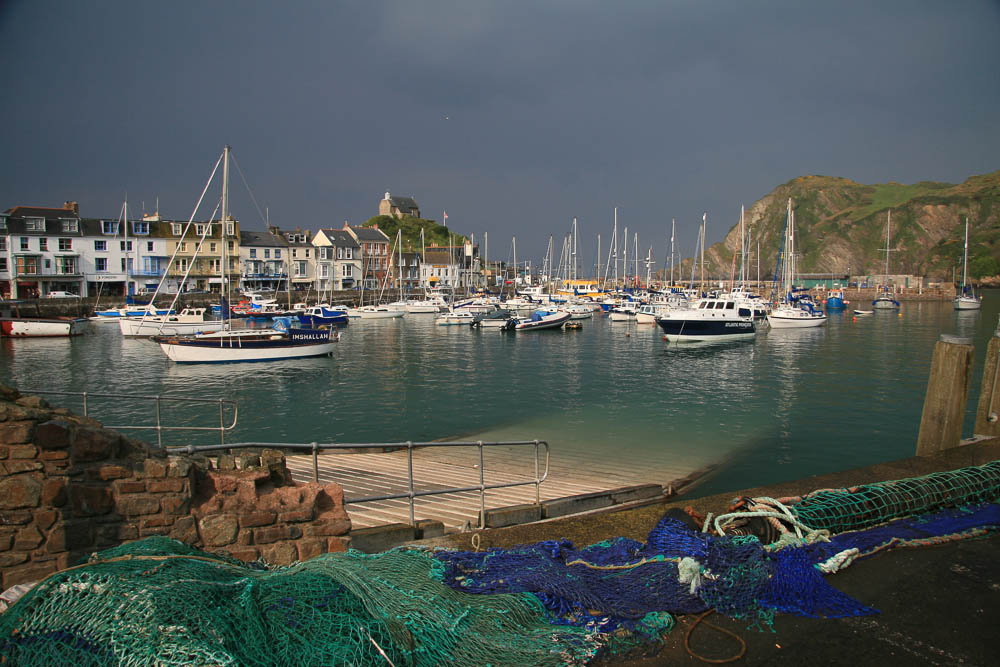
<point>320,315</point>
<point>835,300</point>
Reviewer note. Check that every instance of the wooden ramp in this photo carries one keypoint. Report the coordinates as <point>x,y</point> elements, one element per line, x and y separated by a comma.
<point>375,474</point>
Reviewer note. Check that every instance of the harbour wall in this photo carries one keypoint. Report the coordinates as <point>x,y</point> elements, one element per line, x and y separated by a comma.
<point>69,487</point>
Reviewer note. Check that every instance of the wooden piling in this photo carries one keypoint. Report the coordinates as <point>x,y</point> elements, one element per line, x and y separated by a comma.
<point>988,410</point>
<point>947,395</point>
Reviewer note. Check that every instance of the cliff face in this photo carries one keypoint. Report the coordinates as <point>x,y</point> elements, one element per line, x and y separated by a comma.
<point>841,226</point>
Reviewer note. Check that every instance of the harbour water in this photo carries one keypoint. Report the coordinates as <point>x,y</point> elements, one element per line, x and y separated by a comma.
<point>787,404</point>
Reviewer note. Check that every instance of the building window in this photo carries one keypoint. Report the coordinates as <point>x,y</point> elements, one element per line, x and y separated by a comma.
<point>100,246</point>
<point>101,264</point>
<point>277,253</point>
<point>324,270</point>
<point>65,245</point>
<point>43,243</point>
<point>3,263</point>
<point>67,266</point>
<point>24,243</point>
<point>34,224</point>
<point>140,228</point>
<point>215,265</point>
<point>267,253</point>
<point>109,227</point>
<point>230,245</point>
<point>340,253</point>
<point>295,252</point>
<point>211,247</point>
<point>176,228</point>
<point>149,246</point>
<point>200,230</point>
<point>348,253</point>
<point>230,229</point>
<point>300,270</point>
<point>307,253</point>
<point>184,246</point>
<point>27,265</point>
<point>253,253</point>
<point>3,223</point>
<point>70,226</point>
<point>126,246</point>
<point>182,265</point>
<point>345,271</point>
<point>3,242</point>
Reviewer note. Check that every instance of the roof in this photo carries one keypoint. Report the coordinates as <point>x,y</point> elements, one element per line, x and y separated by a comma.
<point>339,237</point>
<point>403,203</point>
<point>41,212</point>
<point>262,239</point>
<point>372,234</point>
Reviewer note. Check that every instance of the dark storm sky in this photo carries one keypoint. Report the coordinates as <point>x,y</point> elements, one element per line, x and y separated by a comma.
<point>512,116</point>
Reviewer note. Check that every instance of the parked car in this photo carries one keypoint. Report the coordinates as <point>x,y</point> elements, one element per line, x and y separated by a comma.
<point>58,294</point>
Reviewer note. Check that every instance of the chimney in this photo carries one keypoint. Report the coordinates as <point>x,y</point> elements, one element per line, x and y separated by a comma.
<point>72,206</point>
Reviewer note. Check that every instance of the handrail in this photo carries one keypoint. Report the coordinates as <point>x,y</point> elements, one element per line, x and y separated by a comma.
<point>315,448</point>
<point>223,403</point>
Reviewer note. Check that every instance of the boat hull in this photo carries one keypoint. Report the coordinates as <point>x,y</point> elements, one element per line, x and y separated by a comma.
<point>778,321</point>
<point>149,327</point>
<point>243,348</point>
<point>681,330</point>
<point>968,303</point>
<point>29,327</point>
<point>554,321</point>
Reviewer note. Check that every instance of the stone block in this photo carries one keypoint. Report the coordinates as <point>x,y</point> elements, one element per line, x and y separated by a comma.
<point>179,467</point>
<point>270,534</point>
<point>90,500</point>
<point>310,548</point>
<point>109,472</point>
<point>329,527</point>
<point>513,515</point>
<point>218,530</point>
<point>296,516</point>
<point>245,537</point>
<point>336,545</point>
<point>245,554</point>
<point>4,452</point>
<point>14,558</point>
<point>185,530</point>
<point>28,538</point>
<point>165,485</point>
<point>173,504</point>
<point>91,444</point>
<point>54,434</point>
<point>53,455</point>
<point>126,486</point>
<point>54,492</point>
<point>27,573</point>
<point>45,518</point>
<point>20,491</point>
<point>16,433</point>
<point>379,538</point>
<point>59,468</point>
<point>282,553</point>
<point>255,519</point>
<point>154,468</point>
<point>15,518</point>
<point>16,467</point>
<point>36,402</point>
<point>147,531</point>
<point>227,462</point>
<point>22,452</point>
<point>138,505</point>
<point>247,461</point>
<point>6,541</point>
<point>575,504</point>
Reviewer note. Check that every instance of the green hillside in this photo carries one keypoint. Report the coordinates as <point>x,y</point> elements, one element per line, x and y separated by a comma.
<point>841,226</point>
<point>434,234</point>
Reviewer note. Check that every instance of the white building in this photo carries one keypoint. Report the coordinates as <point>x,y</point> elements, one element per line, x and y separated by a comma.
<point>338,260</point>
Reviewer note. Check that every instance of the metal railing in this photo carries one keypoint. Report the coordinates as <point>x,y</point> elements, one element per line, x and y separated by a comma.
<point>541,471</point>
<point>158,401</point>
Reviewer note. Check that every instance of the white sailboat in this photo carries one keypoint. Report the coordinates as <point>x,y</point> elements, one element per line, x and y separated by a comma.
<point>885,300</point>
<point>967,299</point>
<point>792,312</point>
<point>228,345</point>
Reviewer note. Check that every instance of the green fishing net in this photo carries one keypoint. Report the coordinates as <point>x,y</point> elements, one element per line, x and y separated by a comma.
<point>184,607</point>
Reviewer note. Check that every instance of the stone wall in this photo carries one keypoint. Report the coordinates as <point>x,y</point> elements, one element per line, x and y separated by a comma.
<point>69,487</point>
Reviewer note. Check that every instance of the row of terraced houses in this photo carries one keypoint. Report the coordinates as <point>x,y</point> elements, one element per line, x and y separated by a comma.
<point>45,250</point>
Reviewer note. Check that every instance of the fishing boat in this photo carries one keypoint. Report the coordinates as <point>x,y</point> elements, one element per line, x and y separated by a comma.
<point>795,310</point>
<point>228,345</point>
<point>543,319</point>
<point>648,312</point>
<point>835,300</point>
<point>13,325</point>
<point>322,314</point>
<point>884,299</point>
<point>967,298</point>
<point>708,319</point>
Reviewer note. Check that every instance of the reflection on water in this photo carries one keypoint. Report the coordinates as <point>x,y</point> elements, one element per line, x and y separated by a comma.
<point>787,403</point>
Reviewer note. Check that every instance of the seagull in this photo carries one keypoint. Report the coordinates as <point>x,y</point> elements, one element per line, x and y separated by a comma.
<point>445,118</point>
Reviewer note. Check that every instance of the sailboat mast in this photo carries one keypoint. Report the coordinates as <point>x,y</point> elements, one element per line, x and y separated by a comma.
<point>965,256</point>
<point>125,222</point>
<point>223,286</point>
<point>704,224</point>
<point>673,229</point>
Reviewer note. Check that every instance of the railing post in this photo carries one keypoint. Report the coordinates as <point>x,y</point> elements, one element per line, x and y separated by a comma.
<point>409,463</point>
<point>84,404</point>
<point>222,424</point>
<point>482,488</point>
<point>538,495</point>
<point>159,428</point>
<point>315,449</point>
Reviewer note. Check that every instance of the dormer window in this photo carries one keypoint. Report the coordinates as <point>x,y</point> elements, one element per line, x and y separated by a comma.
<point>3,223</point>
<point>70,226</point>
<point>34,224</point>
<point>200,230</point>
<point>176,228</point>
<point>230,229</point>
<point>109,227</point>
<point>140,228</point>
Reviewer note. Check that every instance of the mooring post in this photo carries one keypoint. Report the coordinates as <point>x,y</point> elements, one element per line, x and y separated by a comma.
<point>988,411</point>
<point>947,395</point>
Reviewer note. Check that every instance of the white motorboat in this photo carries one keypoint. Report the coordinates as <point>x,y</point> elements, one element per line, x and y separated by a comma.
<point>708,319</point>
<point>455,318</point>
<point>42,327</point>
<point>623,313</point>
<point>648,312</point>
<point>578,311</point>
<point>378,312</point>
<point>789,317</point>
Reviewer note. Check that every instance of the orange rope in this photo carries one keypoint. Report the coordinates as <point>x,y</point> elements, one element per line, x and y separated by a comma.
<point>714,661</point>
